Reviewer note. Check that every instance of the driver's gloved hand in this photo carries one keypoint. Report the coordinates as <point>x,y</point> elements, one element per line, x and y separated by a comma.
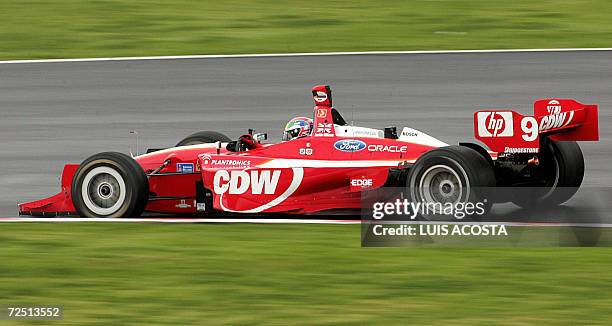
<point>247,142</point>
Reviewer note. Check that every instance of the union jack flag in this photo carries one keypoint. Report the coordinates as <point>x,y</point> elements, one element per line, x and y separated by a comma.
<point>324,128</point>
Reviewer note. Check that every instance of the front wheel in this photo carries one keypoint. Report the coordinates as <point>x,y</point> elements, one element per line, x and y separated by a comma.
<point>203,137</point>
<point>110,185</point>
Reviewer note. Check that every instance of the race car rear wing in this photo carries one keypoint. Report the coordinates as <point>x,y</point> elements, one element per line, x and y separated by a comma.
<point>559,119</point>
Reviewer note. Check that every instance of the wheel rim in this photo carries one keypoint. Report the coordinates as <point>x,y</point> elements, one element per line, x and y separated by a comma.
<point>103,191</point>
<point>441,184</point>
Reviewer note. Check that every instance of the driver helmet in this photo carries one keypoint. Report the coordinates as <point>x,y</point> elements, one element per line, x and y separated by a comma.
<point>297,127</point>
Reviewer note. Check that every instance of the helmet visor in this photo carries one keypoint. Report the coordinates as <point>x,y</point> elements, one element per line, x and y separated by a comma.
<point>291,134</point>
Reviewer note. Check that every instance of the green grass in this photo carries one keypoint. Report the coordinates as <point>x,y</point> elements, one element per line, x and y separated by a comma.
<point>99,28</point>
<point>127,274</point>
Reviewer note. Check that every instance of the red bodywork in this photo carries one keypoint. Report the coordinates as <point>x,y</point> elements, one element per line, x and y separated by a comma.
<point>328,170</point>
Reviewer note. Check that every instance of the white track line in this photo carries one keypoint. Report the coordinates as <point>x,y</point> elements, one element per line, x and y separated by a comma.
<point>279,221</point>
<point>307,54</point>
<point>174,220</point>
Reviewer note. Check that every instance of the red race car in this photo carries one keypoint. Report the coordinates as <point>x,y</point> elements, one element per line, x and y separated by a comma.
<point>324,164</point>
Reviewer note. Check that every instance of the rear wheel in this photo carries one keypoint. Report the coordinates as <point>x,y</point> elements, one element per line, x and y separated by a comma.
<point>110,185</point>
<point>203,137</point>
<point>558,176</point>
<point>452,175</point>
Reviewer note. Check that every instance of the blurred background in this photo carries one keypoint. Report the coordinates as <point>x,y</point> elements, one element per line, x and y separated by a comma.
<point>101,28</point>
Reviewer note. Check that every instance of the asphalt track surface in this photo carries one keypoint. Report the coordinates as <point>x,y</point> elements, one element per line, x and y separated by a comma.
<point>53,113</point>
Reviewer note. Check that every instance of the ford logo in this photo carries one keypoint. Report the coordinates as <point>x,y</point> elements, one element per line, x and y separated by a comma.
<point>349,145</point>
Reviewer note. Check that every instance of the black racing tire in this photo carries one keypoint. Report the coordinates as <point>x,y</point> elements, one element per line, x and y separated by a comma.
<point>204,137</point>
<point>110,184</point>
<point>452,174</point>
<point>562,166</point>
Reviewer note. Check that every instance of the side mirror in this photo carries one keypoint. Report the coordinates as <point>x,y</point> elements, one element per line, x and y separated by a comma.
<point>231,146</point>
<point>259,137</point>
